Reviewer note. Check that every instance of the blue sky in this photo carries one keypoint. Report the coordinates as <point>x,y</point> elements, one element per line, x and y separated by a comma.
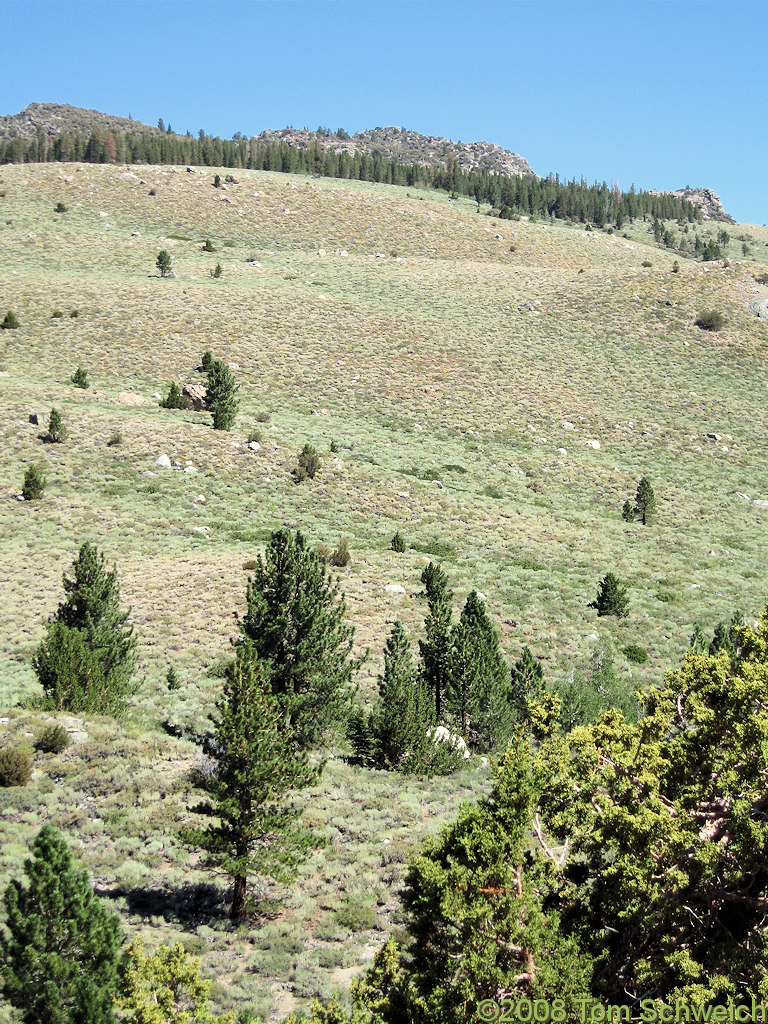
<point>660,94</point>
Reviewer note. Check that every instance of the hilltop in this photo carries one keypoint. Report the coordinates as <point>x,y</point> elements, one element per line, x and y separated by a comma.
<point>405,148</point>
<point>494,390</point>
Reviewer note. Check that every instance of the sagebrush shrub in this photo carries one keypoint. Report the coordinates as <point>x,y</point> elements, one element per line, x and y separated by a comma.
<point>10,321</point>
<point>15,767</point>
<point>398,543</point>
<point>710,320</point>
<point>308,464</point>
<point>636,654</point>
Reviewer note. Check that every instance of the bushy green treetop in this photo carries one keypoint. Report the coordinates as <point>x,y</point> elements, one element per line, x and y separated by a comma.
<point>61,952</point>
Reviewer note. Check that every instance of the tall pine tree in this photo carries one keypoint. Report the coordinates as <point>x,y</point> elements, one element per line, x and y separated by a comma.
<point>61,953</point>
<point>403,712</point>
<point>295,620</point>
<point>259,762</point>
<point>436,647</point>
<point>527,684</point>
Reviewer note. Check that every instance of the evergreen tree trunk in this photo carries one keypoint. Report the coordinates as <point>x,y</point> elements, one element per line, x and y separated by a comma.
<point>237,911</point>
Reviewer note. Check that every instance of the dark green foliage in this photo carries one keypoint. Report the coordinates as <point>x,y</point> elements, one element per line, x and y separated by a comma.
<point>259,762</point>
<point>262,417</point>
<point>295,620</point>
<point>206,362</point>
<point>646,263</point>
<point>171,679</point>
<point>333,448</point>
<point>60,208</point>
<point>676,267</point>
<point>221,396</point>
<point>636,654</point>
<point>163,262</point>
<point>612,598</point>
<point>477,696</point>
<point>34,483</point>
<point>216,272</point>
<point>86,660</point>
<point>308,464</point>
<point>710,320</point>
<point>526,684</point>
<point>360,736</point>
<point>114,438</point>
<point>10,321</point>
<point>56,430</point>
<point>52,739</point>
<point>398,543</point>
<point>645,502</point>
<point>208,246</point>
<point>57,315</point>
<point>15,767</point>
<point>80,378</point>
<point>340,556</point>
<point>628,512</point>
<point>61,951</point>
<point>436,647</point>
<point>476,921</point>
<point>403,712</point>
<point>74,313</point>
<point>727,637</point>
<point>174,399</point>
<point>217,181</point>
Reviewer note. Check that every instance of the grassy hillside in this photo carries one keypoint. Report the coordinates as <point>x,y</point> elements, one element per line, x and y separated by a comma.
<point>536,371</point>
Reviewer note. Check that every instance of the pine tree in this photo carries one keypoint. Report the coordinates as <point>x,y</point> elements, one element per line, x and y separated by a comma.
<point>87,658</point>
<point>612,598</point>
<point>645,501</point>
<point>259,761</point>
<point>295,619</point>
<point>436,647</point>
<point>56,430</point>
<point>165,987</point>
<point>477,694</point>
<point>174,399</point>
<point>61,953</point>
<point>628,512</point>
<point>34,484</point>
<point>163,263</point>
<point>402,714</point>
<point>526,684</point>
<point>221,397</point>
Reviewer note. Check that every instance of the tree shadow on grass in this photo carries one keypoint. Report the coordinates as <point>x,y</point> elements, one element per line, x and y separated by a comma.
<point>189,906</point>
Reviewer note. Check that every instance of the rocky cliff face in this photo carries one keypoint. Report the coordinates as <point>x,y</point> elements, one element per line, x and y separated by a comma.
<point>702,198</point>
<point>409,148</point>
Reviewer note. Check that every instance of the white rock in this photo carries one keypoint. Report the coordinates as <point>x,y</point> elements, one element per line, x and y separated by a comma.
<point>321,252</point>
<point>102,214</point>
<point>760,503</point>
<point>740,494</point>
<point>163,460</point>
<point>233,366</point>
<point>190,469</point>
<point>561,451</point>
<point>200,498</point>
<point>201,529</point>
<point>481,595</point>
<point>254,446</point>
<point>394,588</point>
<point>593,443</point>
<point>403,494</point>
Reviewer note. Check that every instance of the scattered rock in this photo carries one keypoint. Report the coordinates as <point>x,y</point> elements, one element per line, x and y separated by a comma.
<point>135,234</point>
<point>567,425</point>
<point>713,437</point>
<point>190,469</point>
<point>194,396</point>
<point>741,494</point>
<point>201,529</point>
<point>163,461</point>
<point>394,588</point>
<point>438,484</point>
<point>254,446</point>
<point>126,398</point>
<point>403,494</point>
<point>320,412</point>
<point>561,451</point>
<point>233,366</point>
<point>760,503</point>
<point>231,180</point>
<point>321,252</point>
<point>593,443</point>
<point>481,595</point>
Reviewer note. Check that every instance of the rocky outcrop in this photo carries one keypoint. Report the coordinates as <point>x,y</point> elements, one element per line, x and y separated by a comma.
<point>55,118</point>
<point>408,147</point>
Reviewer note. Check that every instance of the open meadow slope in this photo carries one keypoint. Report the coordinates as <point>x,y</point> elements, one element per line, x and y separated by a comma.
<point>493,389</point>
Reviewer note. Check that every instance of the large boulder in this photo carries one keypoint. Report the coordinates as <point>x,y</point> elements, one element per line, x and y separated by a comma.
<point>194,396</point>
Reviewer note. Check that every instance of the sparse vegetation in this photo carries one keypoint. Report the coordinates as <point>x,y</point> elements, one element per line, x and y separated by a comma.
<point>52,739</point>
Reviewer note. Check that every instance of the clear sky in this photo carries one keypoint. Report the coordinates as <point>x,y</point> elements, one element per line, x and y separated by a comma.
<point>662,94</point>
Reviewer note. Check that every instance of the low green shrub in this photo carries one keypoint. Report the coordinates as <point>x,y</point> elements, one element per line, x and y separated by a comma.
<point>710,320</point>
<point>398,543</point>
<point>10,321</point>
<point>52,739</point>
<point>60,208</point>
<point>340,556</point>
<point>174,399</point>
<point>636,654</point>
<point>262,417</point>
<point>80,378</point>
<point>308,464</point>
<point>15,767</point>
